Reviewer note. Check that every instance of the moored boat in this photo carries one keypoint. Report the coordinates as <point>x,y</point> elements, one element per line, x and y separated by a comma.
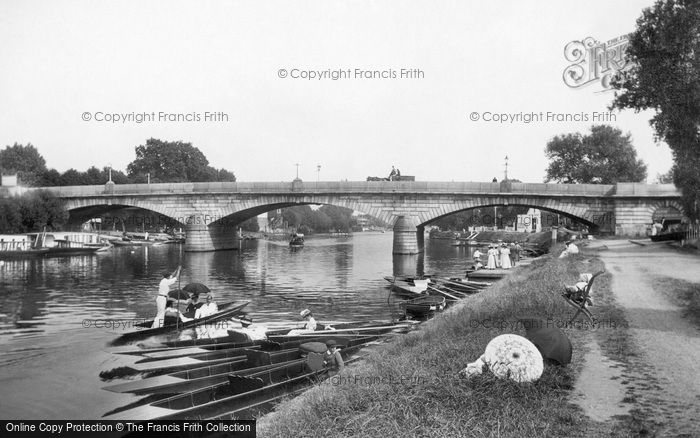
<point>297,240</point>
<point>423,306</point>
<point>19,246</point>
<point>256,358</point>
<point>60,243</point>
<point>239,390</point>
<point>227,310</point>
<point>668,236</point>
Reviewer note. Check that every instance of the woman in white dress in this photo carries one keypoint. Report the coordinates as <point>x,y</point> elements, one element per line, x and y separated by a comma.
<point>505,257</point>
<point>492,253</point>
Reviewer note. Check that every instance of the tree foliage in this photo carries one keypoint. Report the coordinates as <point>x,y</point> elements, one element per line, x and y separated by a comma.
<point>173,162</point>
<point>165,161</point>
<point>606,156</point>
<point>25,161</point>
<point>30,212</point>
<point>665,77</point>
<point>327,218</point>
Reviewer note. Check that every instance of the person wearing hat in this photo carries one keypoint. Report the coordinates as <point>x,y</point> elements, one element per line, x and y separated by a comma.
<point>162,297</point>
<point>192,305</point>
<point>505,256</point>
<point>208,308</point>
<point>309,318</point>
<point>492,253</point>
<point>248,331</point>
<point>332,359</point>
<point>516,251</point>
<point>309,326</point>
<point>571,248</point>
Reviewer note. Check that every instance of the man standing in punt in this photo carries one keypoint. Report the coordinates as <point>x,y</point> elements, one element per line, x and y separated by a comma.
<point>162,297</point>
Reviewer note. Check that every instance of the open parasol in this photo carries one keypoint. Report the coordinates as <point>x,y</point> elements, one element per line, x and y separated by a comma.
<point>196,288</point>
<point>550,340</point>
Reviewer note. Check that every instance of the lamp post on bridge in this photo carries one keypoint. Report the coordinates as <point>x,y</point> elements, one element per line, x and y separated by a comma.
<point>318,172</point>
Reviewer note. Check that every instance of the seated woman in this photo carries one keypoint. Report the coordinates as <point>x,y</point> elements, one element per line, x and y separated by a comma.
<point>172,314</point>
<point>205,309</point>
<point>310,325</point>
<point>192,306</point>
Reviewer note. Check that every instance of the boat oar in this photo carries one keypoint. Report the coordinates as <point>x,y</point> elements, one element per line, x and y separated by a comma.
<point>443,293</point>
<point>177,321</point>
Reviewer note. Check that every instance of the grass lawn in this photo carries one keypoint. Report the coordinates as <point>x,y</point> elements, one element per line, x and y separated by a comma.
<point>410,387</point>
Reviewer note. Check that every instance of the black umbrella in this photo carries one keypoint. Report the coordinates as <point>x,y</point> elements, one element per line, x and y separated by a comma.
<point>550,340</point>
<point>178,294</point>
<point>196,288</point>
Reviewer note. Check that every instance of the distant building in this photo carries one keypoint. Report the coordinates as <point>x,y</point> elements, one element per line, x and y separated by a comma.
<point>262,222</point>
<point>529,222</point>
<point>9,181</point>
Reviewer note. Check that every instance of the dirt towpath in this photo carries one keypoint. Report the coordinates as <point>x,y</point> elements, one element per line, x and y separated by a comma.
<point>664,379</point>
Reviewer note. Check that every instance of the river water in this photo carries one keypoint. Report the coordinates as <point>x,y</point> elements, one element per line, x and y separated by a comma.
<point>56,313</point>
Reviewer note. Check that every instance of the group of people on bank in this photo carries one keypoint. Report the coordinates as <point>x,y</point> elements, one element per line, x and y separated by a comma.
<point>500,255</point>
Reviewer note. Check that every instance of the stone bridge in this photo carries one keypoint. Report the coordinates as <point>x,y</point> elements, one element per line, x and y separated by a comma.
<point>210,211</point>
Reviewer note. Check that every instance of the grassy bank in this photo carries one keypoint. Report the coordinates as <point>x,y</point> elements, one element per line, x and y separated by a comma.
<point>410,387</point>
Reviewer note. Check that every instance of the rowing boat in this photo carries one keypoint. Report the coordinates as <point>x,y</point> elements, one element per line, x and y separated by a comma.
<point>237,392</point>
<point>424,305</point>
<point>193,379</point>
<point>343,330</point>
<point>228,312</point>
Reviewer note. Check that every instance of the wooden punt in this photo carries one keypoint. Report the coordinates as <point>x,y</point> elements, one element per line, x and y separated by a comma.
<point>358,330</point>
<point>424,305</point>
<point>189,380</point>
<point>491,274</point>
<point>238,392</point>
<point>230,311</point>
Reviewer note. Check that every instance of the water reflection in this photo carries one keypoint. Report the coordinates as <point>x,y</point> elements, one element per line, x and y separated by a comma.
<point>49,306</point>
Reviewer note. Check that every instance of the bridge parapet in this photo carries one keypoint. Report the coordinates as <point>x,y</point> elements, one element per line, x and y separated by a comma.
<point>359,187</point>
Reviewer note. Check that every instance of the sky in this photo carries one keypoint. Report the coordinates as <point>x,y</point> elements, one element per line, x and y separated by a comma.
<point>235,77</point>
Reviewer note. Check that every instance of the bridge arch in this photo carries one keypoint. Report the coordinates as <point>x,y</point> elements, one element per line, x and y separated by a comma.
<point>231,214</point>
<point>85,209</point>
<point>488,219</point>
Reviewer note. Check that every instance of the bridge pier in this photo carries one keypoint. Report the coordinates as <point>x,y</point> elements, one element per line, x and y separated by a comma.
<point>406,236</point>
<point>203,237</point>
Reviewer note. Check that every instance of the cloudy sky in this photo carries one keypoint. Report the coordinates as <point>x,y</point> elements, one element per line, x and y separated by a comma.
<point>69,65</point>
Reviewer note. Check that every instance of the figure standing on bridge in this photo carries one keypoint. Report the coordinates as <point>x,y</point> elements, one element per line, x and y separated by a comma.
<point>393,173</point>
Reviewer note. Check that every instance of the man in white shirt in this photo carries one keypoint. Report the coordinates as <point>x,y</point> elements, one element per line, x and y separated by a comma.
<point>162,297</point>
<point>206,309</point>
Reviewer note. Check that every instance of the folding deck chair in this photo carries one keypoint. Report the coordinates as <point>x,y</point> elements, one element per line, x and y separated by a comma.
<point>580,298</point>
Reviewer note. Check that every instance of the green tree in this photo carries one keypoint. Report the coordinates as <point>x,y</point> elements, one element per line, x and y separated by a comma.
<point>39,209</point>
<point>25,161</point>
<point>665,76</point>
<point>10,219</point>
<point>605,156</point>
<point>51,177</point>
<point>72,177</point>
<point>173,162</point>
